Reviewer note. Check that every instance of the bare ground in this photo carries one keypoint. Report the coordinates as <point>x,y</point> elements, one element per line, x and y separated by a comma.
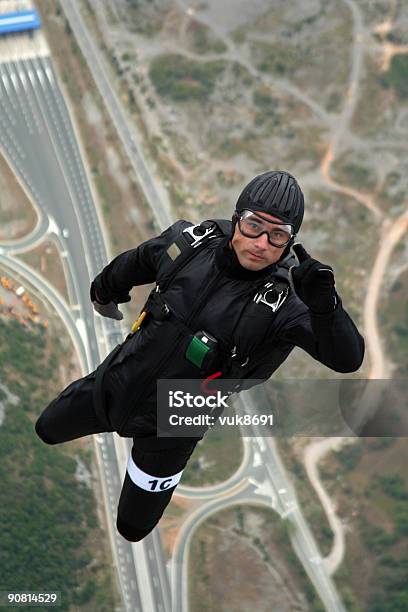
<point>17,215</point>
<point>46,259</point>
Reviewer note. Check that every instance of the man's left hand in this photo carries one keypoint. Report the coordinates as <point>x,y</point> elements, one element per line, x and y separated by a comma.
<point>313,282</point>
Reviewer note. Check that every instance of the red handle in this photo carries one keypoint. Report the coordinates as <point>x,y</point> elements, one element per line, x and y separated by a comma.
<point>205,382</point>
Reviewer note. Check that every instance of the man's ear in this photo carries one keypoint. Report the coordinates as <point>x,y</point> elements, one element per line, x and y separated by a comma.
<point>234,220</point>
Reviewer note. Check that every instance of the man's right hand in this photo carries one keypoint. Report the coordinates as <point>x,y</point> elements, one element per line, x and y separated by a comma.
<point>108,307</point>
<point>109,310</point>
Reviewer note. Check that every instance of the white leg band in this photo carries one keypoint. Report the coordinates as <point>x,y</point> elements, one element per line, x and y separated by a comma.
<point>154,484</point>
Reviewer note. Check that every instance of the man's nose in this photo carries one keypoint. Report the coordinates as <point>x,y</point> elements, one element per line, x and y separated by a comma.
<point>262,241</point>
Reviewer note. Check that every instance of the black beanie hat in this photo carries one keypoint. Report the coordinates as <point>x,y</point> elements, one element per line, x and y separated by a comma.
<point>277,193</point>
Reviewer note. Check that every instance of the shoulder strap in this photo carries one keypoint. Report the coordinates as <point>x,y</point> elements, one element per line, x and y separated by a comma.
<point>269,294</point>
<point>189,242</point>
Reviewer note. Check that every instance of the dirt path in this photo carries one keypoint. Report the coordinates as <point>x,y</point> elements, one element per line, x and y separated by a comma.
<point>314,453</point>
<point>393,232</point>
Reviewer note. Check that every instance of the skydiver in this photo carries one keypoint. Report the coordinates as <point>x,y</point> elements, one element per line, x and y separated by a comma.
<point>237,282</point>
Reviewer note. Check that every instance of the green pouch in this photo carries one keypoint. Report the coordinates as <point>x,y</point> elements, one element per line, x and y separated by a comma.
<point>202,349</point>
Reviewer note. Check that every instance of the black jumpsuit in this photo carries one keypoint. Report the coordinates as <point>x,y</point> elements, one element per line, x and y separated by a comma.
<point>210,292</point>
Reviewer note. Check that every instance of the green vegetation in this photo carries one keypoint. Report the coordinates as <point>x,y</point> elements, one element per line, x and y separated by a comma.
<point>181,79</point>
<point>47,517</point>
<point>238,36</point>
<point>392,595</point>
<point>393,202</point>
<point>397,76</point>
<point>242,75</point>
<point>350,455</point>
<point>394,485</point>
<point>395,326</point>
<point>375,538</point>
<point>248,143</point>
<point>356,174</point>
<point>307,21</point>
<point>267,106</point>
<point>204,41</point>
<point>401,330</point>
<point>381,443</point>
<point>146,18</point>
<point>215,459</point>
<point>359,175</point>
<point>334,101</point>
<point>277,59</point>
<point>396,37</point>
<point>379,528</point>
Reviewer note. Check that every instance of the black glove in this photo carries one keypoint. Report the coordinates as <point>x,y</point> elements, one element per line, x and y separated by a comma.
<point>313,282</point>
<point>109,310</point>
<point>106,305</point>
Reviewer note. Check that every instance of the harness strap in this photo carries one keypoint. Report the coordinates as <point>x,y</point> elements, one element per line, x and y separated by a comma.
<point>188,244</point>
<point>157,308</point>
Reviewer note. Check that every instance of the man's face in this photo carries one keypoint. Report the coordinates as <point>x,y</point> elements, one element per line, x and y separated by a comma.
<point>247,248</point>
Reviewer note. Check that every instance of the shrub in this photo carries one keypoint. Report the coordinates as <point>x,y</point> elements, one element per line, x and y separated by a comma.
<point>181,79</point>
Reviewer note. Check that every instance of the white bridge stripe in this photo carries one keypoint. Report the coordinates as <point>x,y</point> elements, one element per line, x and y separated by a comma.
<point>154,484</point>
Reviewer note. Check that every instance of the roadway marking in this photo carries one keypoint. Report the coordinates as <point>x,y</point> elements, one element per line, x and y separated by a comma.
<point>23,80</point>
<point>263,488</point>
<point>289,511</point>
<point>257,459</point>
<point>49,75</point>
<point>14,80</point>
<point>41,77</point>
<point>6,83</point>
<point>261,444</point>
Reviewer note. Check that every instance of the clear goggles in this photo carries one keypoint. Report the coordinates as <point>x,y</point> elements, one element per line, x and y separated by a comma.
<point>253,225</point>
